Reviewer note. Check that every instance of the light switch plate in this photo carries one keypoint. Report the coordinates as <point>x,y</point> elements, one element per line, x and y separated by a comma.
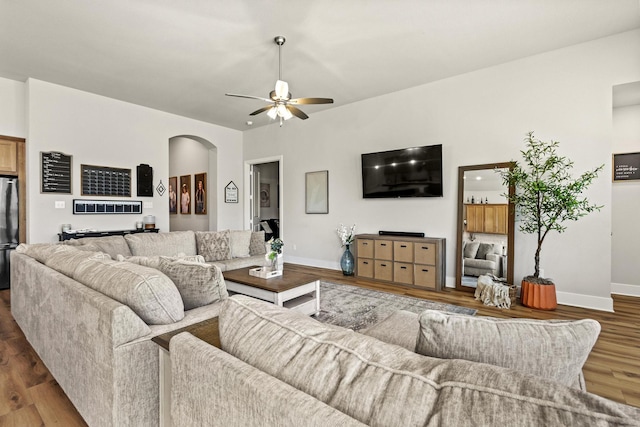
<point>60,204</point>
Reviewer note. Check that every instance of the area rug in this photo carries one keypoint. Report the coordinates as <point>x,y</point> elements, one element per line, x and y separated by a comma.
<point>358,308</point>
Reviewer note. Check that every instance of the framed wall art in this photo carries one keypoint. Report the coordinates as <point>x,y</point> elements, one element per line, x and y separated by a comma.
<point>173,195</point>
<point>626,167</point>
<point>185,194</point>
<point>200,195</point>
<point>317,192</point>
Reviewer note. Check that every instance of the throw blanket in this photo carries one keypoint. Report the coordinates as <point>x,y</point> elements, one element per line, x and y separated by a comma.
<point>492,293</point>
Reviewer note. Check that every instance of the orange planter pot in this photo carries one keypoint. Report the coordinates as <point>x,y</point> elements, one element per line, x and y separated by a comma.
<point>542,297</point>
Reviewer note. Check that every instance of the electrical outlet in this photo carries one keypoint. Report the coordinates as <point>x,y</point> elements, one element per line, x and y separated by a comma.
<point>59,204</point>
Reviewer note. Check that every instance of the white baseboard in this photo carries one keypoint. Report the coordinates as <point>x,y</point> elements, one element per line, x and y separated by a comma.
<point>624,289</point>
<point>585,301</point>
<point>331,265</point>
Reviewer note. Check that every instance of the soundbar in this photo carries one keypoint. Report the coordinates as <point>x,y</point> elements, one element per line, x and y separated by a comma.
<point>401,233</point>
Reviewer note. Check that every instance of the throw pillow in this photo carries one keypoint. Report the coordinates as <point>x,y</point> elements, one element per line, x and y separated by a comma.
<point>554,349</point>
<point>213,245</point>
<point>471,249</point>
<point>239,241</point>
<point>257,247</point>
<point>483,250</point>
<point>199,284</point>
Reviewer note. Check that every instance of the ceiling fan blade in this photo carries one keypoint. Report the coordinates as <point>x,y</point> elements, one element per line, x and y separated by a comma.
<point>297,112</point>
<point>248,96</point>
<point>311,101</point>
<point>261,110</point>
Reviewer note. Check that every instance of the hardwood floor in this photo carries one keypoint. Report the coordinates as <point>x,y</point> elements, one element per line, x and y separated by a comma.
<point>29,396</point>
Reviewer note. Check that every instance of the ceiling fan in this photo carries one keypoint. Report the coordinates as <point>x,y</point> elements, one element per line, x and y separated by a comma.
<point>280,102</point>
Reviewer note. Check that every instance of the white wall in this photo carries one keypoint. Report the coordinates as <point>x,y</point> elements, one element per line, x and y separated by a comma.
<point>101,131</point>
<point>12,108</point>
<point>479,117</point>
<point>625,201</point>
<point>190,157</point>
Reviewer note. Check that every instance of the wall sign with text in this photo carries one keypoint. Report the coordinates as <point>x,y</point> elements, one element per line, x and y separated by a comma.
<point>626,166</point>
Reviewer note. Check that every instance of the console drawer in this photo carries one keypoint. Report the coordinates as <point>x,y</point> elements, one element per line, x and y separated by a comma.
<point>425,253</point>
<point>403,273</point>
<point>383,270</point>
<point>384,249</point>
<point>425,276</point>
<point>365,248</point>
<point>365,267</point>
<point>403,251</point>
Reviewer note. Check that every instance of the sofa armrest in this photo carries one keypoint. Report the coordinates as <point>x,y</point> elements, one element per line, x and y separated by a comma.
<point>493,257</point>
<point>236,393</point>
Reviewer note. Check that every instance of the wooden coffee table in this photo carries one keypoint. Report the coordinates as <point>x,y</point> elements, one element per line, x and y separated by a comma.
<point>296,291</point>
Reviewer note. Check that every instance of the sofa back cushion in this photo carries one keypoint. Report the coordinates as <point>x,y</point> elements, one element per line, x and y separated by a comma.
<point>173,243</point>
<point>381,384</point>
<point>554,349</point>
<point>239,241</point>
<point>67,258</point>
<point>113,245</point>
<point>148,292</point>
<point>470,249</point>
<point>40,251</point>
<point>214,245</point>
<point>154,261</point>
<point>198,283</point>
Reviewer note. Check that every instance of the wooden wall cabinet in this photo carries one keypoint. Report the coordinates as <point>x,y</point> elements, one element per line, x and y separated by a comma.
<point>412,261</point>
<point>489,218</point>
<point>8,157</point>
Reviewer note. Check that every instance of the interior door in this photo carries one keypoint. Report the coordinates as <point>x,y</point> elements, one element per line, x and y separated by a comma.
<point>254,201</point>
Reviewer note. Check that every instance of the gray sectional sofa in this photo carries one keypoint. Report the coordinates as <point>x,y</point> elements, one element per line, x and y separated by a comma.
<point>90,317</point>
<point>280,368</point>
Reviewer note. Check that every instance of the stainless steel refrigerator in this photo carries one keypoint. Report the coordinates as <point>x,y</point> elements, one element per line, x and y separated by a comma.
<point>8,226</point>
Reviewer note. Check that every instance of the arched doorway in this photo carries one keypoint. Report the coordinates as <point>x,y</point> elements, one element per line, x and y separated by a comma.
<point>193,168</point>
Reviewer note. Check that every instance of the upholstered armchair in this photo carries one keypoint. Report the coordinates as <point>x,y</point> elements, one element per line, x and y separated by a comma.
<point>481,258</point>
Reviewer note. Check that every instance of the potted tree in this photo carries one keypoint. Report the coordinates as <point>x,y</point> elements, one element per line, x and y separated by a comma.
<point>546,196</point>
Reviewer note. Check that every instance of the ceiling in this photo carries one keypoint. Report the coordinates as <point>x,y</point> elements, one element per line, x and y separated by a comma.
<point>183,56</point>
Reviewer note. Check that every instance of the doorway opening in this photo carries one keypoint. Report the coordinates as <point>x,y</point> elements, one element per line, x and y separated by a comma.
<point>263,190</point>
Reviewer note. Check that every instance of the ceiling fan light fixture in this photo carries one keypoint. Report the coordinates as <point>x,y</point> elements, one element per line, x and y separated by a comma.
<point>282,89</point>
<point>284,112</point>
<point>272,113</point>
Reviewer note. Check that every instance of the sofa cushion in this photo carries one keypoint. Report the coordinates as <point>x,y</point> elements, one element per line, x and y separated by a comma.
<point>381,384</point>
<point>66,261</point>
<point>40,251</point>
<point>199,284</point>
<point>213,245</point>
<point>257,245</point>
<point>239,241</point>
<point>164,244</point>
<point>470,249</point>
<point>154,261</point>
<point>479,263</point>
<point>554,349</point>
<point>148,292</point>
<point>113,245</point>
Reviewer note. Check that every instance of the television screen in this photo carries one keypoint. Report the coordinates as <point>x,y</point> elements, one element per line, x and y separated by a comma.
<point>410,172</point>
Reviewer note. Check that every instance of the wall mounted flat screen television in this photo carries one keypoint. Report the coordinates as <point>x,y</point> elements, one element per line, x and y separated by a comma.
<point>409,172</point>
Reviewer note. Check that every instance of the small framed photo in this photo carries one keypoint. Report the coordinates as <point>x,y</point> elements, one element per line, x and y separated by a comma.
<point>185,194</point>
<point>317,192</point>
<point>200,195</point>
<point>173,195</point>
